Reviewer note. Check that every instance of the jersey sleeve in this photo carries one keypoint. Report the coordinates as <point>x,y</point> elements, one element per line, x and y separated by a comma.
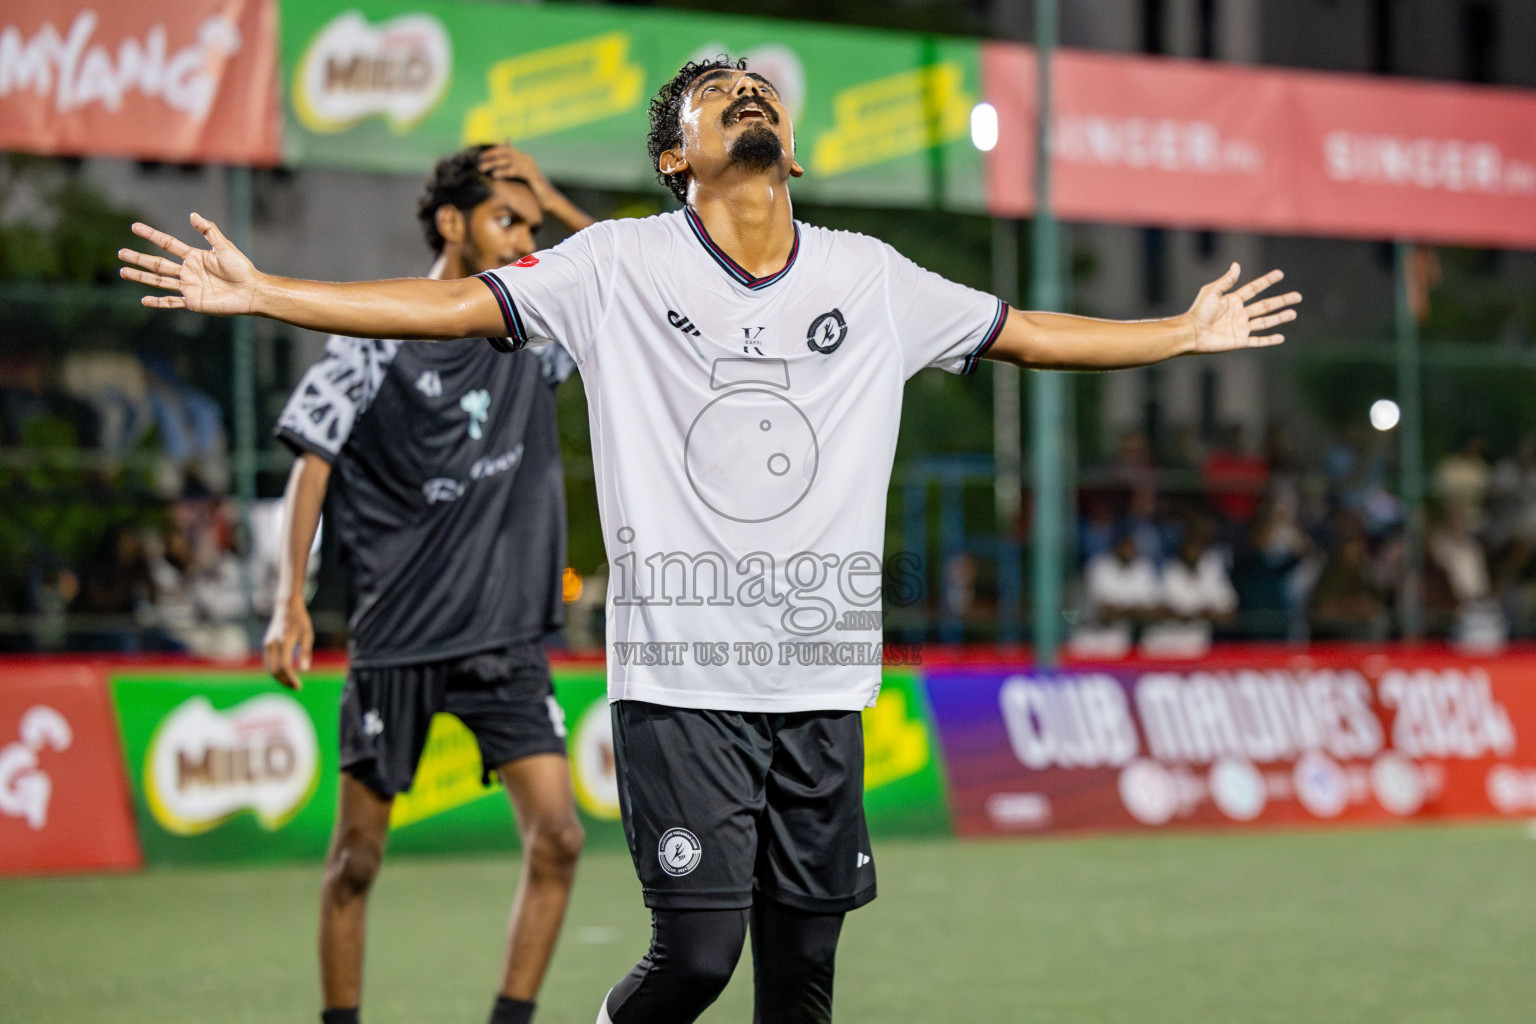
<point>319,415</point>
<point>555,295</point>
<point>938,322</point>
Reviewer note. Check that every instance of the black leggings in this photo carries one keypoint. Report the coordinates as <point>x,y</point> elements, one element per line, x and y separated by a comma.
<point>694,952</point>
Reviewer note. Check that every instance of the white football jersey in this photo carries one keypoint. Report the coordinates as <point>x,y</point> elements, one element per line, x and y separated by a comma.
<point>743,431</point>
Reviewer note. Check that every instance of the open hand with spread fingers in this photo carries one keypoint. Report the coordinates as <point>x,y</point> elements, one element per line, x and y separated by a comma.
<point>219,280</point>
<point>1225,319</point>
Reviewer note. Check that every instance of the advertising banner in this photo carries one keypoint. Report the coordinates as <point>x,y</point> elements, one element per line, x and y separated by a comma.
<point>227,766</point>
<point>386,85</point>
<point>1332,738</point>
<point>63,803</point>
<point>194,83</point>
<point>1156,141</point>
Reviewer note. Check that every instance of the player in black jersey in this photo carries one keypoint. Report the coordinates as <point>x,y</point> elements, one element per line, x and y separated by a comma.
<point>430,454</point>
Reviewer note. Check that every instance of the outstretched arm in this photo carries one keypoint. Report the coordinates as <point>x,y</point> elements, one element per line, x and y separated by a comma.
<point>220,280</point>
<point>1220,320</point>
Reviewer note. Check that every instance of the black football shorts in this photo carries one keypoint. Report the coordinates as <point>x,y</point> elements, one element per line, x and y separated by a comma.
<point>717,804</point>
<point>504,697</point>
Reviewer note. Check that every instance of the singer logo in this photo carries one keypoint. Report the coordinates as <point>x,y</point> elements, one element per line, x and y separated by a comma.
<point>24,788</point>
<point>352,71</point>
<point>204,766</point>
<point>76,73</point>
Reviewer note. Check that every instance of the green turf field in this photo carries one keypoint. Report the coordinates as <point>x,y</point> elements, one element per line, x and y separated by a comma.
<point>1404,926</point>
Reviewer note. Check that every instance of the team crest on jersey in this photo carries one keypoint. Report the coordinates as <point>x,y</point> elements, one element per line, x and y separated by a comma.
<point>827,332</point>
<point>478,404</point>
<point>679,851</point>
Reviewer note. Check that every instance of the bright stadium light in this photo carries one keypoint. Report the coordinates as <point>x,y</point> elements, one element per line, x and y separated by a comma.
<point>1385,414</point>
<point>984,126</point>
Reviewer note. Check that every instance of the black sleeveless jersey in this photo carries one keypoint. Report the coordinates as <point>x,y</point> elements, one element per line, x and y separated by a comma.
<point>446,492</point>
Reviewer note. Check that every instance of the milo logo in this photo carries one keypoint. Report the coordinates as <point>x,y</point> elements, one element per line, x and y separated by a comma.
<point>352,70</point>
<point>204,766</point>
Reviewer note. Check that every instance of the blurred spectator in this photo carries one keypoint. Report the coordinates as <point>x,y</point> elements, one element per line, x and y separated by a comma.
<point>1512,493</point>
<point>117,388</point>
<point>1121,585</point>
<point>191,428</point>
<point>1141,522</point>
<point>1462,479</point>
<point>1134,466</point>
<point>1195,594</point>
<point>1263,569</point>
<point>1347,603</point>
<point>114,586</point>
<point>1195,584</point>
<point>1096,529</point>
<point>1120,591</point>
<point>1235,478</point>
<point>1460,562</point>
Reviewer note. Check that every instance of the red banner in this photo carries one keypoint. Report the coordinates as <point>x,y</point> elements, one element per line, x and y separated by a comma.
<point>191,83</point>
<point>64,803</point>
<point>1158,141</point>
<point>1338,737</point>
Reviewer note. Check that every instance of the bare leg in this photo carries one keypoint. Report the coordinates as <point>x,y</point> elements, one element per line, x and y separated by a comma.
<point>540,788</point>
<point>357,849</point>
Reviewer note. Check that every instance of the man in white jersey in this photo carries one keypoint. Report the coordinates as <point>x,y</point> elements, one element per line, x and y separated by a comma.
<point>744,375</point>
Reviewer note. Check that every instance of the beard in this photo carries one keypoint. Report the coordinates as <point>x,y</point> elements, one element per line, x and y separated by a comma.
<point>757,148</point>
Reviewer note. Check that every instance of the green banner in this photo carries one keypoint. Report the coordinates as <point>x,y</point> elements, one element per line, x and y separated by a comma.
<point>227,766</point>
<point>881,118</point>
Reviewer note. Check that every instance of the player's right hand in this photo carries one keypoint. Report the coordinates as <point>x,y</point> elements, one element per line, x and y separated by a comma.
<point>289,644</point>
<point>217,280</point>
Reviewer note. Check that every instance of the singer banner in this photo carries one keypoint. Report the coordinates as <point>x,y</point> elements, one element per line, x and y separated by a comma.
<point>1155,141</point>
<point>1336,737</point>
<point>193,83</point>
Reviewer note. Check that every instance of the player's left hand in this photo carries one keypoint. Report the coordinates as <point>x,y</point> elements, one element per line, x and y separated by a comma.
<point>1225,320</point>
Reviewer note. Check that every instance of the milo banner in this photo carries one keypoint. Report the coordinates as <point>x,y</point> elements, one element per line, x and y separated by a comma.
<point>1336,737</point>
<point>389,86</point>
<point>228,766</point>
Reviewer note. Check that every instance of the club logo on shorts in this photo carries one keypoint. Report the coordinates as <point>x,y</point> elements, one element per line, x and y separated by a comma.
<point>827,332</point>
<point>679,851</point>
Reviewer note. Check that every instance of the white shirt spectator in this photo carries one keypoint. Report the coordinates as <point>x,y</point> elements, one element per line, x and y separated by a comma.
<point>1191,592</point>
<point>1110,583</point>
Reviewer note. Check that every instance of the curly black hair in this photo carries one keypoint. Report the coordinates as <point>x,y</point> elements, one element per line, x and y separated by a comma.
<point>456,181</point>
<point>666,127</point>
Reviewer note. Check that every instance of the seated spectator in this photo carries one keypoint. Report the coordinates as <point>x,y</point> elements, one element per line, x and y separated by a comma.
<point>1195,584</point>
<point>1456,552</point>
<point>1263,570</point>
<point>1141,522</point>
<point>1120,591</point>
<point>1347,603</point>
<point>1235,478</point>
<point>114,587</point>
<point>1462,479</point>
<point>1195,594</point>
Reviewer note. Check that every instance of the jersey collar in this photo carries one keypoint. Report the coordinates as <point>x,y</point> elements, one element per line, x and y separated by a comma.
<point>739,273</point>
